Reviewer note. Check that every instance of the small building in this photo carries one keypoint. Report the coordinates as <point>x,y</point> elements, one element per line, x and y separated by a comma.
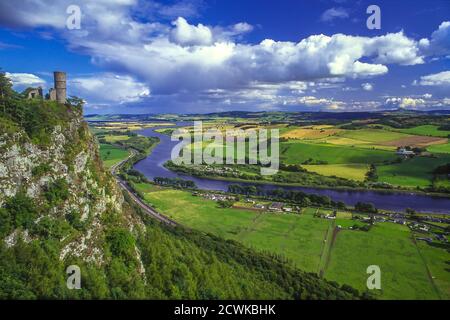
<point>276,206</point>
<point>404,152</point>
<point>33,93</point>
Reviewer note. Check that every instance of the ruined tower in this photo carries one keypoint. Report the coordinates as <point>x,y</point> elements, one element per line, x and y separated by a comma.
<point>60,86</point>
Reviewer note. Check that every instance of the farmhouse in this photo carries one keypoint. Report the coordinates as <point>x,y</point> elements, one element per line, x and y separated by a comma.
<point>404,152</point>
<point>276,206</point>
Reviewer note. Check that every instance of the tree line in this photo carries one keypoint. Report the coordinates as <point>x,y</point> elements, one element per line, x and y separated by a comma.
<point>175,182</point>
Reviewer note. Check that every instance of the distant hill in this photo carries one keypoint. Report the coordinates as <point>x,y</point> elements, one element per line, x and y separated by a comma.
<point>270,116</point>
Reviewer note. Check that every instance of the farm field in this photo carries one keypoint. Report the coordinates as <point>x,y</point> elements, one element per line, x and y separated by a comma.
<point>411,172</point>
<point>310,132</point>
<point>329,151</point>
<point>373,136</point>
<point>347,171</point>
<point>438,265</point>
<point>441,148</point>
<point>389,246</point>
<point>313,245</point>
<point>343,141</point>
<point>111,155</point>
<point>298,237</point>
<point>299,152</point>
<point>425,130</point>
<point>115,138</point>
<point>385,138</point>
<point>130,126</point>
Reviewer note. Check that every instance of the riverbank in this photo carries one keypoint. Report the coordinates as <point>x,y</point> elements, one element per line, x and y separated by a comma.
<point>340,188</point>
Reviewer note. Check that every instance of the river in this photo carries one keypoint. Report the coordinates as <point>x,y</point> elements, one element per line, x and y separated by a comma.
<point>152,167</point>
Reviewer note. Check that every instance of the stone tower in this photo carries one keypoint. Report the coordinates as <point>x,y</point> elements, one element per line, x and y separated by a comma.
<point>60,86</point>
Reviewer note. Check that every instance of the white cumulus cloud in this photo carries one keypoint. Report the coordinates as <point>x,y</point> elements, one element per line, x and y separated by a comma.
<point>367,86</point>
<point>405,102</point>
<point>334,13</point>
<point>437,79</point>
<point>186,34</point>
<point>21,80</point>
<point>109,88</point>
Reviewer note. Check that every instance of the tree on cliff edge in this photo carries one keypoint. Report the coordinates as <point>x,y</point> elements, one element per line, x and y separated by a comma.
<point>6,90</point>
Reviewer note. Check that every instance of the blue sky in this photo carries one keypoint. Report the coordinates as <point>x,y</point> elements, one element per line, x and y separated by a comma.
<point>189,56</point>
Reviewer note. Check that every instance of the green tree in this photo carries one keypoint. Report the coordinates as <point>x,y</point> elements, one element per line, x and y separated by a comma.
<point>6,91</point>
<point>22,210</point>
<point>5,222</point>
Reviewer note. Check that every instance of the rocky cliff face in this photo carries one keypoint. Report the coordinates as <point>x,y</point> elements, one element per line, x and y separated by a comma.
<point>66,164</point>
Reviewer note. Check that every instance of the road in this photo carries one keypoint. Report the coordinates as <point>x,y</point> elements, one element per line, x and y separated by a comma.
<point>124,185</point>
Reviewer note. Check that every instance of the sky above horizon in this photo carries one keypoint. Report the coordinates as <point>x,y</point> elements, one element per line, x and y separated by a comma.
<point>196,56</point>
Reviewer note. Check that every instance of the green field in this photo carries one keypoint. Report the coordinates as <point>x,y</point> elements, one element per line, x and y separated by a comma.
<point>438,265</point>
<point>389,246</point>
<point>350,142</point>
<point>330,151</point>
<point>298,152</point>
<point>426,130</point>
<point>111,155</point>
<point>298,237</point>
<point>308,242</point>
<point>347,171</point>
<point>115,138</point>
<point>439,148</point>
<point>412,172</point>
<point>372,135</point>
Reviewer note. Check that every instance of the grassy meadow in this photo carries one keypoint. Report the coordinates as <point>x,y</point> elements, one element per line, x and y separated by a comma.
<point>112,155</point>
<point>440,148</point>
<point>293,152</point>
<point>426,130</point>
<point>348,171</point>
<point>314,245</point>
<point>412,172</point>
<point>332,151</point>
<point>389,246</point>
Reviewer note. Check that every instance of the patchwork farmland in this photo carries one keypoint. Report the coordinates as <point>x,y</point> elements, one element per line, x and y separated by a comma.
<point>327,247</point>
